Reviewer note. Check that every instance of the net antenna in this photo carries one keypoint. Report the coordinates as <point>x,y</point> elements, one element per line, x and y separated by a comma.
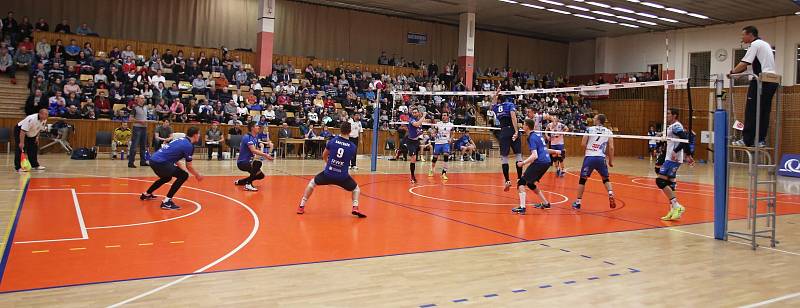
<point>603,87</point>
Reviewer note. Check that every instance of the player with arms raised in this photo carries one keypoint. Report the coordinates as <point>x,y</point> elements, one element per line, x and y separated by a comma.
<point>509,134</point>
<point>557,143</point>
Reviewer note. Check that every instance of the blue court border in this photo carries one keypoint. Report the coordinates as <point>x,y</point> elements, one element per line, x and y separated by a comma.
<point>10,238</point>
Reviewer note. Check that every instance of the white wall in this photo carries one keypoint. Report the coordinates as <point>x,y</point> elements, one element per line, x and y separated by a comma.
<point>632,53</point>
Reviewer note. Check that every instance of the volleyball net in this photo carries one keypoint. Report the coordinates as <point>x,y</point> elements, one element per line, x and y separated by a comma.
<point>631,109</point>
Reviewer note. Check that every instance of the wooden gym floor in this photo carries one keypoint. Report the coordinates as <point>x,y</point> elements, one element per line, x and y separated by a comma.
<point>81,237</point>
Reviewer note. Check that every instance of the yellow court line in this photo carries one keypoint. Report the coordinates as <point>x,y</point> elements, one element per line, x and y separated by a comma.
<point>77,248</point>
<point>145,244</point>
<point>112,246</point>
<point>176,242</point>
<point>40,251</point>
<point>24,181</point>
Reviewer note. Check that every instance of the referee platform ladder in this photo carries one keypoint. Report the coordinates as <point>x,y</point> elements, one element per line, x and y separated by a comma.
<point>759,160</point>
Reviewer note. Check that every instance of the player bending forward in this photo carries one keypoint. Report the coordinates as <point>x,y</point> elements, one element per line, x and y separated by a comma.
<point>338,153</point>
<point>539,162</point>
<point>598,147</point>
<point>675,153</point>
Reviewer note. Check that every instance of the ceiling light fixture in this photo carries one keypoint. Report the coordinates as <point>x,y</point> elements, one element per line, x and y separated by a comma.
<point>559,11</point>
<point>668,20</point>
<point>674,10</point>
<point>509,1</point>
<point>655,5</point>
<point>603,5</point>
<point>646,22</point>
<point>532,6</point>
<point>552,2</point>
<point>603,13</point>
<point>634,1</point>
<point>698,15</point>
<point>621,9</point>
<point>579,8</point>
<point>590,17</point>
<point>626,18</point>
<point>647,15</point>
<point>607,21</point>
<point>628,25</point>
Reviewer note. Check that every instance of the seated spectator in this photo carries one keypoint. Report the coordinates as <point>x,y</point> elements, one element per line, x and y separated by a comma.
<point>72,113</point>
<point>178,110</point>
<point>214,140</point>
<point>128,53</point>
<point>63,27</point>
<point>103,107</point>
<point>35,102</point>
<point>122,137</point>
<point>157,78</point>
<point>241,77</point>
<point>57,105</point>
<point>71,87</point>
<point>88,50</point>
<point>42,26</point>
<point>234,120</point>
<point>57,49</point>
<point>73,99</point>
<point>72,50</point>
<point>56,72</point>
<point>241,110</point>
<point>87,112</point>
<point>163,134</point>
<point>173,92</point>
<point>199,85</point>
<point>237,62</point>
<point>115,53</point>
<point>26,42</point>
<point>84,29</point>
<point>7,65</point>
<point>43,49</point>
<point>162,110</point>
<point>168,59</point>
<point>179,71</point>
<point>23,58</point>
<point>128,65</point>
<point>100,76</point>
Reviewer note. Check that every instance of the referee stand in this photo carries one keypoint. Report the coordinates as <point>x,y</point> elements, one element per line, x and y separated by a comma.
<point>761,165</point>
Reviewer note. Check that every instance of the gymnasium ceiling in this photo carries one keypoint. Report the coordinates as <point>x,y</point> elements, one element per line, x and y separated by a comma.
<point>535,20</point>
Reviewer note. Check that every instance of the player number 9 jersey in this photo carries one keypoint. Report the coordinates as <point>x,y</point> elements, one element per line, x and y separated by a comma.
<point>596,145</point>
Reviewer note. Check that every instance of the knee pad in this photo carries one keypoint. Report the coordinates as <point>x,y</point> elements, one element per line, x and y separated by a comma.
<point>312,184</point>
<point>519,157</point>
<point>260,176</point>
<point>504,159</point>
<point>182,175</point>
<point>657,169</point>
<point>446,157</point>
<point>606,180</point>
<point>582,181</point>
<point>257,165</point>
<point>532,186</point>
<point>661,183</point>
<point>673,185</point>
<point>435,159</point>
<point>521,182</point>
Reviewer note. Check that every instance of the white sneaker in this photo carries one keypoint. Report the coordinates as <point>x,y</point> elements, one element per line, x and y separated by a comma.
<point>39,168</point>
<point>250,187</point>
<point>738,143</point>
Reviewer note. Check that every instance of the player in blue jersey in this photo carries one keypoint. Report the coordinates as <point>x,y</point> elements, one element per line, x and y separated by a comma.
<point>599,156</point>
<point>247,162</point>
<point>338,153</point>
<point>168,163</point>
<point>539,162</point>
<point>412,140</point>
<point>506,113</point>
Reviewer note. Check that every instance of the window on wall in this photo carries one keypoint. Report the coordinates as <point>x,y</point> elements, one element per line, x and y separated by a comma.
<point>797,67</point>
<point>700,68</point>
<point>738,54</point>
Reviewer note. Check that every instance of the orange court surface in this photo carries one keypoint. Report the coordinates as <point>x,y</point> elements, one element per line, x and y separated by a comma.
<point>71,231</point>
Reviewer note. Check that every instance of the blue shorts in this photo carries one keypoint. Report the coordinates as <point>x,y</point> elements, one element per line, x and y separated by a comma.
<point>652,146</point>
<point>592,163</point>
<point>669,169</point>
<point>441,149</point>
<point>559,147</point>
<point>507,144</point>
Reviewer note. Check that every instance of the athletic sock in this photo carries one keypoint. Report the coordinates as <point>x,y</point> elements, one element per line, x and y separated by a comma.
<point>610,193</point>
<point>355,204</point>
<point>673,202</point>
<point>522,196</point>
<point>578,201</point>
<point>505,172</point>
<point>166,199</point>
<point>303,202</point>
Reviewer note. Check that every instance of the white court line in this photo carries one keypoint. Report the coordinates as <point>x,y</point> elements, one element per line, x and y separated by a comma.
<point>411,190</point>
<point>256,224</point>
<point>731,241</point>
<point>773,300</point>
<point>81,224</point>
<point>84,233</point>
<point>197,209</point>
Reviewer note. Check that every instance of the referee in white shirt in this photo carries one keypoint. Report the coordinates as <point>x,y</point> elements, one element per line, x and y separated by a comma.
<point>26,134</point>
<point>355,133</point>
<point>759,58</point>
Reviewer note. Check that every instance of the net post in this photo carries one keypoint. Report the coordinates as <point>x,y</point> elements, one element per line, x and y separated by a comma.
<point>720,165</point>
<point>375,125</point>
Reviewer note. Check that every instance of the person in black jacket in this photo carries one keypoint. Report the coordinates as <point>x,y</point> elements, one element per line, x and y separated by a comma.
<point>35,102</point>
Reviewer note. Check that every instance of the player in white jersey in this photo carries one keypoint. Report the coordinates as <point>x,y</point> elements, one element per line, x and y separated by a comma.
<point>557,143</point>
<point>676,154</point>
<point>441,145</point>
<point>599,146</point>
